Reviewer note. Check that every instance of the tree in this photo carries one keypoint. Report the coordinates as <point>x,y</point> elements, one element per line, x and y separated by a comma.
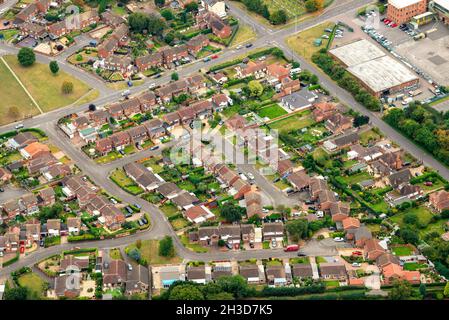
<point>401,290</point>
<point>410,218</point>
<point>54,67</point>
<point>422,289</point>
<point>159,3</point>
<point>231,212</point>
<point>13,112</point>
<point>446,290</point>
<point>139,244</point>
<point>26,57</point>
<point>175,76</point>
<point>186,292</point>
<point>166,248</point>
<point>191,6</point>
<point>278,53</point>
<point>409,235</point>
<point>360,120</point>
<point>236,285</point>
<point>311,5</point>
<point>167,14</point>
<point>67,87</point>
<point>138,22</point>
<point>298,229</point>
<point>155,25</point>
<point>278,17</point>
<point>135,254</point>
<point>255,88</point>
<point>19,293</point>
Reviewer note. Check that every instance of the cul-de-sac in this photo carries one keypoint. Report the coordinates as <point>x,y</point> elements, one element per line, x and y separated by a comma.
<point>224,149</point>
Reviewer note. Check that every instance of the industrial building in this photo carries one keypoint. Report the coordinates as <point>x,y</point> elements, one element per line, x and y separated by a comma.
<point>441,8</point>
<point>378,73</point>
<point>402,11</point>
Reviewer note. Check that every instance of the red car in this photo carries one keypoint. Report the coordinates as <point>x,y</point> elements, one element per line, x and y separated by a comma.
<point>292,247</point>
<point>386,21</point>
<point>214,56</point>
<point>394,25</point>
<point>357,253</point>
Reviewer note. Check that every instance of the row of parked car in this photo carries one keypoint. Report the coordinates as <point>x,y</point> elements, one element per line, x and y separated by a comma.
<point>381,39</point>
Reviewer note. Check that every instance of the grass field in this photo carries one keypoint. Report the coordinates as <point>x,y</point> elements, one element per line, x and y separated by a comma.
<point>115,254</point>
<point>150,252</point>
<point>13,95</point>
<point>90,96</point>
<point>271,111</point>
<point>244,34</point>
<point>402,251</point>
<point>356,178</point>
<point>45,87</point>
<point>294,122</point>
<point>33,282</point>
<point>303,42</point>
<point>423,214</point>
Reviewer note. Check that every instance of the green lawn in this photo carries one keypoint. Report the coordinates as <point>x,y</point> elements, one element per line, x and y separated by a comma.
<point>424,215</point>
<point>13,95</point>
<point>179,223</point>
<point>402,251</point>
<point>356,178</point>
<point>150,252</point>
<point>331,283</point>
<point>111,156</point>
<point>413,266</point>
<point>320,260</point>
<point>123,181</point>
<point>46,87</point>
<point>115,254</point>
<point>33,282</point>
<point>192,246</point>
<point>271,111</point>
<point>8,34</point>
<point>369,136</point>
<point>169,210</point>
<point>245,33</point>
<point>294,122</point>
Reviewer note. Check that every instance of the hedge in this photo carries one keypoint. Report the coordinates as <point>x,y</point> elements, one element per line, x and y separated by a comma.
<point>291,291</point>
<point>10,262</point>
<point>83,250</point>
<point>86,236</point>
<point>35,130</point>
<point>8,134</point>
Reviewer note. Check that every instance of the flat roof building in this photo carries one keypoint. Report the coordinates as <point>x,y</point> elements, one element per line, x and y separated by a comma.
<point>441,8</point>
<point>402,11</point>
<point>378,73</point>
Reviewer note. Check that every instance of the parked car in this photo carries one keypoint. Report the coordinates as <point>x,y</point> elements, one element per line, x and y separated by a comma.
<point>19,126</point>
<point>140,222</point>
<point>292,247</point>
<point>154,148</point>
<point>356,253</point>
<point>215,56</point>
<point>301,254</point>
<point>356,264</point>
<point>137,206</point>
<point>207,59</point>
<point>228,245</point>
<point>249,45</point>
<point>2,190</point>
<point>145,221</point>
<point>152,86</point>
<point>113,200</point>
<point>239,47</point>
<point>130,267</point>
<point>106,265</point>
<point>129,210</point>
<point>339,239</point>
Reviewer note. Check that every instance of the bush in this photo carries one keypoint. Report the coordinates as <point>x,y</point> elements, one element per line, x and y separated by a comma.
<point>26,57</point>
<point>67,87</point>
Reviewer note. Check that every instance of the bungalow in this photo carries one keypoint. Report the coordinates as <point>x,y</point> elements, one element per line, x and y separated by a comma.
<point>203,109</point>
<point>256,69</point>
<point>187,115</point>
<point>138,281</point>
<point>350,223</point>
<point>167,275</point>
<point>169,190</point>
<point>115,275</point>
<point>198,214</point>
<point>185,200</point>
<point>70,261</point>
<point>96,204</point>
<point>22,140</point>
<point>196,274</point>
<point>400,178</point>
<point>359,236</point>
<point>41,163</point>
<point>84,195</point>
<point>221,269</point>
<point>302,271</point>
<point>339,211</point>
<point>252,273</point>
<point>227,176</point>
<point>276,276</point>
<point>385,259</point>
<point>299,180</point>
<point>231,234</point>
<point>273,230</point>
<point>34,150</point>
<point>333,271</point>
<point>299,100</point>
<point>62,290</point>
<point>208,236</point>
<point>220,101</point>
<point>392,272</point>
<point>219,78</point>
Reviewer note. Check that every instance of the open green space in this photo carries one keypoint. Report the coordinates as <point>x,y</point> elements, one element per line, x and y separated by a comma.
<point>150,252</point>
<point>271,111</point>
<point>294,122</point>
<point>33,282</point>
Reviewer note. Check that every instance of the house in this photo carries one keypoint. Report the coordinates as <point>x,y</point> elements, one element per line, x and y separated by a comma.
<point>185,200</point>
<point>32,232</point>
<point>385,259</point>
<point>61,288</point>
<point>29,203</point>
<point>47,197</point>
<point>96,204</point>
<point>53,227</point>
<point>203,109</point>
<point>212,21</point>
<point>108,47</point>
<point>104,145</point>
<point>277,72</point>
<point>217,7</point>
<point>57,30</point>
<point>41,163</point>
<point>196,44</point>
<point>120,140</point>
<point>208,236</point>
<point>172,54</point>
<point>167,275</point>
<point>439,200</point>
<point>88,18</point>
<point>112,217</point>
<point>326,199</point>
<point>339,211</point>
<point>323,111</point>
<point>73,225</point>
<point>333,271</point>
<point>299,180</point>
<point>198,214</point>
<point>34,150</point>
<point>302,270</point>
<point>236,122</point>
<point>338,123</point>
<point>26,13</point>
<point>147,101</point>
<point>239,188</point>
<point>131,107</point>
<point>21,140</point>
<point>252,274</point>
<point>112,19</point>
<point>138,134</point>
<point>392,272</point>
<point>399,178</point>
<point>115,275</point>
<point>373,249</point>
<point>219,77</point>
<point>138,281</point>
<point>350,223</point>
<point>196,274</point>
<point>70,261</point>
<point>299,100</point>
<point>221,269</point>
<point>122,64</point>
<point>149,61</point>
<point>276,275</point>
<point>273,230</point>
<point>11,208</point>
<point>99,117</point>
<point>220,101</point>
<point>226,175</point>
<point>169,190</point>
<point>172,119</point>
<point>316,186</point>
<point>256,69</point>
<point>5,175</point>
<point>359,236</point>
<point>33,30</point>
<point>342,141</point>
<point>230,233</point>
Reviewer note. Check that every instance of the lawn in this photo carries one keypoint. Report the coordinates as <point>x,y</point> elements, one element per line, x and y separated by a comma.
<point>244,34</point>
<point>169,210</point>
<point>413,266</point>
<point>424,215</point>
<point>179,223</point>
<point>356,178</point>
<point>150,252</point>
<point>46,87</point>
<point>192,246</point>
<point>319,260</point>
<point>90,96</point>
<point>402,251</point>
<point>8,34</point>
<point>123,181</point>
<point>33,282</point>
<point>111,156</point>
<point>369,136</point>
<point>115,254</point>
<point>13,95</point>
<point>303,42</point>
<point>332,283</point>
<point>294,122</point>
<point>271,111</point>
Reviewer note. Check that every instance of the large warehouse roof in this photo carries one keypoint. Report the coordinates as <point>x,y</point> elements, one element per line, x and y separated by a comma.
<point>443,3</point>
<point>382,73</point>
<point>357,52</point>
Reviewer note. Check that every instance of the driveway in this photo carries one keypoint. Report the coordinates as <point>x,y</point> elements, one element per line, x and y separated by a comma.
<point>11,192</point>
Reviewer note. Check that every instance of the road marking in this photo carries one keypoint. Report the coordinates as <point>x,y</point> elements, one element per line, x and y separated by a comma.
<point>21,84</point>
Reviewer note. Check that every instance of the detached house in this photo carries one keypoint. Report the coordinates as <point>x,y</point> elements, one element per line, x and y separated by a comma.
<point>274,230</point>
<point>439,200</point>
<point>47,197</point>
<point>120,140</point>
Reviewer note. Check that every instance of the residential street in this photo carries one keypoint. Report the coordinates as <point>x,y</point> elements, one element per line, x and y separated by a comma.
<point>159,223</point>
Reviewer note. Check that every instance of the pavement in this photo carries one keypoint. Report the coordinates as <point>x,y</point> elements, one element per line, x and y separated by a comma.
<point>159,223</point>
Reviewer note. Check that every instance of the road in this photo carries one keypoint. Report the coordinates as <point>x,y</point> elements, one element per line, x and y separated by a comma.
<point>160,226</point>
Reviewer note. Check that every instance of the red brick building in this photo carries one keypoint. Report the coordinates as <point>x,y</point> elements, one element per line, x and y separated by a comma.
<point>402,11</point>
